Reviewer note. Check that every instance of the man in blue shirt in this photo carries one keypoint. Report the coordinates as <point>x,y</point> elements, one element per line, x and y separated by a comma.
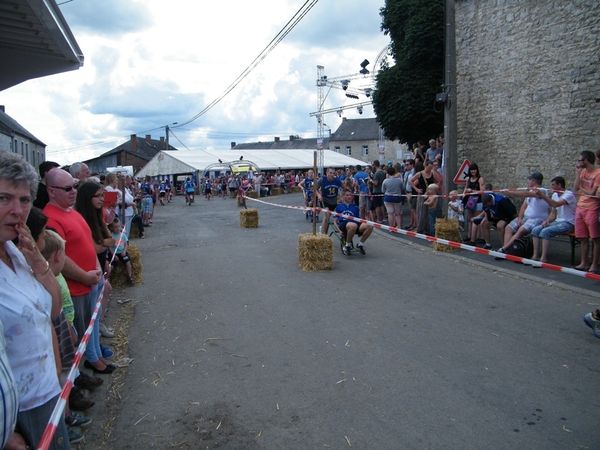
<point>347,227</point>
<point>328,190</point>
<point>361,179</point>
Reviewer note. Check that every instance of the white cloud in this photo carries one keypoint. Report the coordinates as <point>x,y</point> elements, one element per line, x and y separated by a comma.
<point>149,63</point>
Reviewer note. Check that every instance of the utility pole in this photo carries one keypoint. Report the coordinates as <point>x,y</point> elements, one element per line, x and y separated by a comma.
<point>450,124</point>
<point>167,133</point>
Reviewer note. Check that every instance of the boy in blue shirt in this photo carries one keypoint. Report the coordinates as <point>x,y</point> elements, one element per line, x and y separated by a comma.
<point>347,227</point>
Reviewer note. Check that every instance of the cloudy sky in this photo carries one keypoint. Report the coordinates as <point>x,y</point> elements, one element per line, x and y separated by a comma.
<point>149,63</point>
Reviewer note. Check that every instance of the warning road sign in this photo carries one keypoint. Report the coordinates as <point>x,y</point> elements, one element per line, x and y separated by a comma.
<point>463,173</point>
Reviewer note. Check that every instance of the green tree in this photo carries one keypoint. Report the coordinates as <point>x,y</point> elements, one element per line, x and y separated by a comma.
<point>405,92</point>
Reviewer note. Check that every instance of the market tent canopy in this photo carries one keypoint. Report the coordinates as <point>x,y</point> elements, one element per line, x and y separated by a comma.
<point>189,161</point>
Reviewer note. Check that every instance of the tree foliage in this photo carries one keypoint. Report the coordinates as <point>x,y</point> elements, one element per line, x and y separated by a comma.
<point>404,97</point>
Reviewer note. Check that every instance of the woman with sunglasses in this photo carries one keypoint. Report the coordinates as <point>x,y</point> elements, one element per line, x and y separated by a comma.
<point>89,203</point>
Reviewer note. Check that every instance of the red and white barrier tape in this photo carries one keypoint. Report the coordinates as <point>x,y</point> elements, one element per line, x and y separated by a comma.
<point>446,242</point>
<point>58,412</point>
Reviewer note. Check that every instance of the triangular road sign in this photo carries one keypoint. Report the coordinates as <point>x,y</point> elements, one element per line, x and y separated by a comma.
<point>463,173</point>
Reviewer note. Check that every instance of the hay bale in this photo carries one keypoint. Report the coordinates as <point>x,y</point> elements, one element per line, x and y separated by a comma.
<point>249,218</point>
<point>315,252</point>
<point>295,189</point>
<point>252,194</point>
<point>446,229</point>
<point>134,232</point>
<point>275,191</point>
<point>118,275</point>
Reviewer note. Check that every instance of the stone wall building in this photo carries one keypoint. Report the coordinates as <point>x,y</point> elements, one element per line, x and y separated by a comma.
<point>363,139</point>
<point>528,75</point>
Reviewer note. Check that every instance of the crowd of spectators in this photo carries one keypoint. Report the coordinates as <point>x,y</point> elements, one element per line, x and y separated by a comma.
<point>57,236</point>
<point>59,233</point>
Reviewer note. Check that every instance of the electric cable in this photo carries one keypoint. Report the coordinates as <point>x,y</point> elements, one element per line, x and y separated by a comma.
<point>304,9</point>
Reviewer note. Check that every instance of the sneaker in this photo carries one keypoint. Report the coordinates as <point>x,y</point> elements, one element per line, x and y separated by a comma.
<point>593,323</point>
<point>105,332</point>
<point>84,381</point>
<point>107,353</point>
<point>78,401</point>
<point>77,420</point>
<point>500,250</point>
<point>487,247</point>
<point>347,250</point>
<point>361,248</point>
<point>74,436</point>
<point>468,242</point>
<point>480,241</point>
<point>131,281</point>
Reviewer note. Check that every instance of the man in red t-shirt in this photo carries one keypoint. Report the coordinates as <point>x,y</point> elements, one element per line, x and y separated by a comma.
<point>82,269</point>
<point>587,184</point>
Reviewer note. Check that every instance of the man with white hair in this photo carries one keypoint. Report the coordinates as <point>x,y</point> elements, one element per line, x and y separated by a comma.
<point>79,170</point>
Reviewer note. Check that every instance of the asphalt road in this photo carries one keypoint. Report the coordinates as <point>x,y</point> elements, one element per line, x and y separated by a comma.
<point>235,347</point>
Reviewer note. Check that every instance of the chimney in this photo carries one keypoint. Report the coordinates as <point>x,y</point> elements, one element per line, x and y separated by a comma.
<point>148,138</point>
<point>233,144</point>
<point>276,138</point>
<point>134,143</point>
<point>291,137</point>
<point>2,108</point>
<point>162,140</point>
<point>343,119</point>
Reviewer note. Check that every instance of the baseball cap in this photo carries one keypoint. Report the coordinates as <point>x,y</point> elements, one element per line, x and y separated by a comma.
<point>536,176</point>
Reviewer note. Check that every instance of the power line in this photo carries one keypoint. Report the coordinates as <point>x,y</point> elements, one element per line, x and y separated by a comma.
<point>268,49</point>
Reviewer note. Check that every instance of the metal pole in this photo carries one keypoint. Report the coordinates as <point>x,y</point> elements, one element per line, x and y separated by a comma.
<point>314,201</point>
<point>450,122</point>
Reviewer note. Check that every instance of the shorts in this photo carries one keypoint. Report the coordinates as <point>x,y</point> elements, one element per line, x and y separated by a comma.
<point>208,191</point>
<point>552,230</point>
<point>362,202</point>
<point>123,259</point>
<point>147,205</point>
<point>377,201</point>
<point>162,194</point>
<point>343,228</point>
<point>528,224</point>
<point>413,202</point>
<point>330,206</point>
<point>393,208</point>
<point>586,223</point>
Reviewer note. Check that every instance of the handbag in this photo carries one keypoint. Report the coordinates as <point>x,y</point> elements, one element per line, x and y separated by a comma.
<point>472,203</point>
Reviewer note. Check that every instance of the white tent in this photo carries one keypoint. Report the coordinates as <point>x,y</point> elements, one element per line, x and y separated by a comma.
<point>190,161</point>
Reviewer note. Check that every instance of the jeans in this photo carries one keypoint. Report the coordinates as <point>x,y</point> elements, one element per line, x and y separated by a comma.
<point>553,229</point>
<point>93,352</point>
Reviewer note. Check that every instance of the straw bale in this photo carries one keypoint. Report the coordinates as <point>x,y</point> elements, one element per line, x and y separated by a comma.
<point>275,191</point>
<point>249,218</point>
<point>252,194</point>
<point>446,229</point>
<point>315,252</point>
<point>295,189</point>
<point>134,232</point>
<point>118,275</point>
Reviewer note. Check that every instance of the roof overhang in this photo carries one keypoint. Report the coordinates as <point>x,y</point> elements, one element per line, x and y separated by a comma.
<point>35,41</point>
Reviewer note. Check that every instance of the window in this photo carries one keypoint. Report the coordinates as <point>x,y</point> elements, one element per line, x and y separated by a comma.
<point>27,152</point>
<point>337,149</point>
<point>365,150</point>
<point>348,151</point>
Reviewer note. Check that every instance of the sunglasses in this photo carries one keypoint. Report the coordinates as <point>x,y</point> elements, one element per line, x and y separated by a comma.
<point>66,189</point>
